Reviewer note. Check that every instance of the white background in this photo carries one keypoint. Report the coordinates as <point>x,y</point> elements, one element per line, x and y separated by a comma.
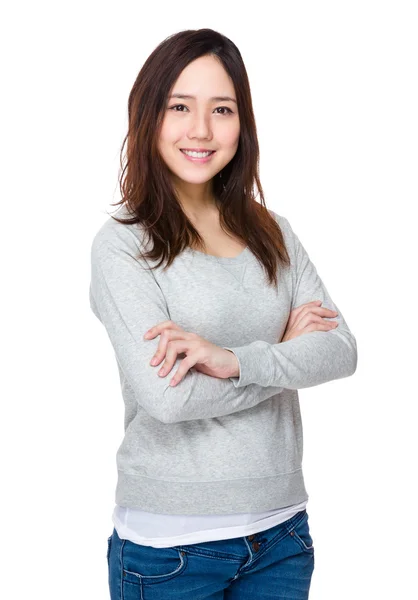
<point>334,87</point>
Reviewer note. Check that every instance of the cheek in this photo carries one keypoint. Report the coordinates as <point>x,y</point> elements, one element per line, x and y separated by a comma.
<point>231,143</point>
<point>229,138</point>
<point>168,132</point>
<point>165,134</point>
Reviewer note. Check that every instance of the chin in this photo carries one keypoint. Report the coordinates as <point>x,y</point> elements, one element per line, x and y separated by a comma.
<point>193,181</point>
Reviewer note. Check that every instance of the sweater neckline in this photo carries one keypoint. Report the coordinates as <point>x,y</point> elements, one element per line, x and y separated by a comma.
<point>241,257</point>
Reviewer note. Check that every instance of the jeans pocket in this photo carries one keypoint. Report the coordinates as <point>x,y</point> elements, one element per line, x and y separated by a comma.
<point>302,535</point>
<point>148,565</point>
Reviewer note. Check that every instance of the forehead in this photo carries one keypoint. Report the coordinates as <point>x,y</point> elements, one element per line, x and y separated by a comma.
<point>204,78</point>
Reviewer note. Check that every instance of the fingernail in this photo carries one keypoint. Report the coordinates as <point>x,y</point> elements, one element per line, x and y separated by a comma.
<point>154,361</point>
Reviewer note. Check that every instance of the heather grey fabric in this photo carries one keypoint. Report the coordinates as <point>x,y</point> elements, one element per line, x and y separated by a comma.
<point>209,445</point>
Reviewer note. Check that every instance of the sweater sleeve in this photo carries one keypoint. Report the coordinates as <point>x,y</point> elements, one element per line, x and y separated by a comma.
<point>127,300</point>
<point>311,358</point>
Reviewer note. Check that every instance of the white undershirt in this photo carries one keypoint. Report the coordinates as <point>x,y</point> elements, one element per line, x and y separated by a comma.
<point>165,531</point>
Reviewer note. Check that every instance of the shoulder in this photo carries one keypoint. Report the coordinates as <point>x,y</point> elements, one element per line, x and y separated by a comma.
<point>113,235</point>
<point>279,218</point>
<point>116,244</point>
<point>283,223</point>
<point>290,238</point>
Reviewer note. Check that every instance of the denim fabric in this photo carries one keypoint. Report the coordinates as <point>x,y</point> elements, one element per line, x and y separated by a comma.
<point>275,563</point>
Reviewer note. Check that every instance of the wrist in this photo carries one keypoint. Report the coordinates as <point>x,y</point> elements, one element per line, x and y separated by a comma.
<point>235,370</point>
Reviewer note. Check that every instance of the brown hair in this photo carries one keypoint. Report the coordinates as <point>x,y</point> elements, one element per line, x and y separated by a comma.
<point>145,183</point>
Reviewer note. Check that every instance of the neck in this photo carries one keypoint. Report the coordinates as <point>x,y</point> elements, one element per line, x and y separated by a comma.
<point>196,199</point>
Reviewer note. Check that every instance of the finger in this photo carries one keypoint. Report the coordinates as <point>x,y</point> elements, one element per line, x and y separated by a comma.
<point>185,366</point>
<point>167,335</point>
<point>298,309</point>
<point>314,310</point>
<point>321,326</point>
<point>174,348</point>
<point>321,311</point>
<point>296,312</point>
<point>314,306</point>
<point>156,330</point>
<point>311,317</point>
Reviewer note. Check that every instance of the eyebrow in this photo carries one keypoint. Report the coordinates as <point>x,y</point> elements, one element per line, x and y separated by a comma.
<point>214,98</point>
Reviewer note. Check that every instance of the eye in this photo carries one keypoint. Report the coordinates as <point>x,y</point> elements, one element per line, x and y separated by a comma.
<point>176,106</point>
<point>219,107</point>
<point>226,108</point>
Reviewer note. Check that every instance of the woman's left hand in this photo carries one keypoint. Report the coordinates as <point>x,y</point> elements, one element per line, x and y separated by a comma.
<point>200,353</point>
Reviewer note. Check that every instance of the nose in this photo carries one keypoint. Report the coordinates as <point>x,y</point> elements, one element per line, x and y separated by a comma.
<point>200,127</point>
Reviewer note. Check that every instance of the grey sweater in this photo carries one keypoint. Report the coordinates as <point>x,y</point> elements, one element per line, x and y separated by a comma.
<point>210,445</point>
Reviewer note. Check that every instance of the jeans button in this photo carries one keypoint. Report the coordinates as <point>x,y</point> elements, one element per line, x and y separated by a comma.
<point>256,546</point>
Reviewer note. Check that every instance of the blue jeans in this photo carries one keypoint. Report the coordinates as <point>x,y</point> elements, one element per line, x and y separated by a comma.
<point>275,563</point>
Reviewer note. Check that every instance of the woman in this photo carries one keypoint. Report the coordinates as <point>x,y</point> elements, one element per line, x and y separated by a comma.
<point>210,497</point>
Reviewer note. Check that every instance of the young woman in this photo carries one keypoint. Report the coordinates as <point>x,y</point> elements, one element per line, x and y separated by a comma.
<point>217,317</point>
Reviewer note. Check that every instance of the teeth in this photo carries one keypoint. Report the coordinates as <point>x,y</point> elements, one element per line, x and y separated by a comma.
<point>196,154</point>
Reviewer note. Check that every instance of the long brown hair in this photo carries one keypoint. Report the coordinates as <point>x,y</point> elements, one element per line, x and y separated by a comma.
<point>145,183</point>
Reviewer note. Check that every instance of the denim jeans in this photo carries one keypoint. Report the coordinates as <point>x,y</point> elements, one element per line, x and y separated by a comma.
<point>275,563</point>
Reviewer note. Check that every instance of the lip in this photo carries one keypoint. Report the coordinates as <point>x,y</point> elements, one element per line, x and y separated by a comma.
<point>198,160</point>
<point>198,149</point>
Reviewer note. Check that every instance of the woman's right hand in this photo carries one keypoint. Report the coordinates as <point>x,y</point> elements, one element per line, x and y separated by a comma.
<point>308,317</point>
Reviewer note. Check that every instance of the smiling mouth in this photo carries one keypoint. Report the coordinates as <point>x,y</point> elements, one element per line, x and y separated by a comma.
<point>198,151</point>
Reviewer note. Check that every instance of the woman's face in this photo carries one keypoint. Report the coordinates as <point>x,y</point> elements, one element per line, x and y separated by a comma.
<point>200,122</point>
